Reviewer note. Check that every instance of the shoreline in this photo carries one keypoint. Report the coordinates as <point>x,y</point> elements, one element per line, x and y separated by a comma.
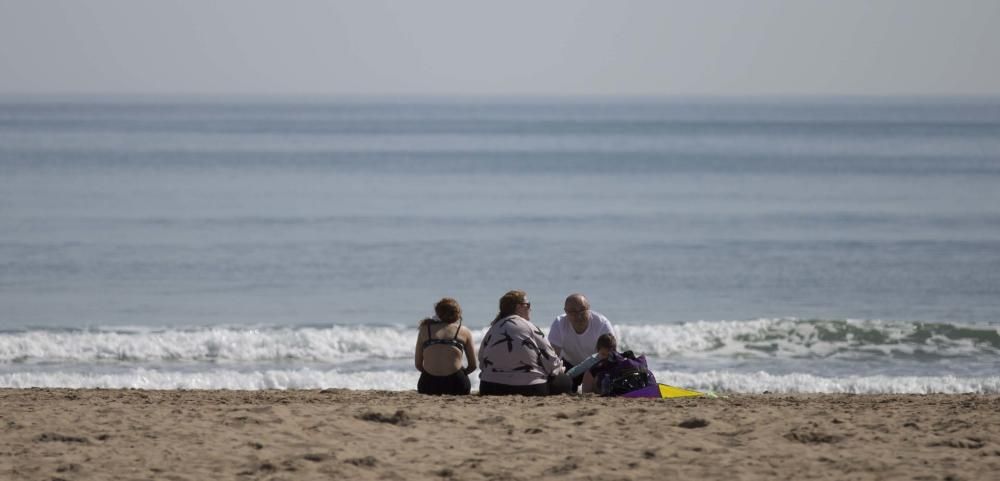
<point>340,433</point>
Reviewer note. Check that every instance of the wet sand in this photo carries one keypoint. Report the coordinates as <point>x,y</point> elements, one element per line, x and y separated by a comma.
<point>49,434</point>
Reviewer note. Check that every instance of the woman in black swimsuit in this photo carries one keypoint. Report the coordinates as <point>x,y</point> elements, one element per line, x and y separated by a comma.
<point>440,344</point>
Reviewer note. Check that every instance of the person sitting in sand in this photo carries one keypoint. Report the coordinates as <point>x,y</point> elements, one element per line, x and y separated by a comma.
<point>515,356</point>
<point>606,344</point>
<point>440,343</point>
<point>574,334</point>
<point>613,373</point>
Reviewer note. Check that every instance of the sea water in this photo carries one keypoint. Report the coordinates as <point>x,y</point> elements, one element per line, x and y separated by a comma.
<point>743,245</point>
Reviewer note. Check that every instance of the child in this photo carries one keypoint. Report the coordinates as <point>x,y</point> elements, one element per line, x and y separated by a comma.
<point>611,373</point>
<point>606,344</point>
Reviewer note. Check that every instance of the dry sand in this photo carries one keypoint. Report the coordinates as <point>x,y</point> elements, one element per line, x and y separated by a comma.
<point>48,434</point>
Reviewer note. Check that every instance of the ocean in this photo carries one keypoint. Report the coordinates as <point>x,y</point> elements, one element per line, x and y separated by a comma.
<point>743,245</point>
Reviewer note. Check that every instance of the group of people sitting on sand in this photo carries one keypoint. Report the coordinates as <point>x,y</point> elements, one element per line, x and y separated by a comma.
<point>514,356</point>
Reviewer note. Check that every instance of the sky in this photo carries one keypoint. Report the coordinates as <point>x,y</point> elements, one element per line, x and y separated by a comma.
<point>473,48</point>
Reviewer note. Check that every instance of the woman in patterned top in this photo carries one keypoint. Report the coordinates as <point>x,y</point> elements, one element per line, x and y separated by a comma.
<point>515,357</point>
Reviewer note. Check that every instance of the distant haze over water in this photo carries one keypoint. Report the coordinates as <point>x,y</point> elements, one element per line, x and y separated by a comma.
<point>189,215</point>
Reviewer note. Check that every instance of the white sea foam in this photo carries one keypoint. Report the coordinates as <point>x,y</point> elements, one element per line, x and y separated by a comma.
<point>327,344</point>
<point>402,380</point>
<point>760,382</point>
<point>303,378</point>
<point>715,357</point>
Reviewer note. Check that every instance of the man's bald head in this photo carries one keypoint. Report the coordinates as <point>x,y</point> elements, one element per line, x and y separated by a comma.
<point>576,302</point>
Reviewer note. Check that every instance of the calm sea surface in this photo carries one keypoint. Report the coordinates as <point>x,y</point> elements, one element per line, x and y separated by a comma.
<point>744,245</point>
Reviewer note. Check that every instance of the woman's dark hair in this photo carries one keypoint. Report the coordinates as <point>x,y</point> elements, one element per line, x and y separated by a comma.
<point>607,341</point>
<point>447,310</point>
<point>509,303</point>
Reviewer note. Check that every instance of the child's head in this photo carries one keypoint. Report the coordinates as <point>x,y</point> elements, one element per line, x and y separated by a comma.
<point>605,344</point>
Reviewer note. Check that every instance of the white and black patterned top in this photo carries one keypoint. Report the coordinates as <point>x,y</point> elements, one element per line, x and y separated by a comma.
<point>515,352</point>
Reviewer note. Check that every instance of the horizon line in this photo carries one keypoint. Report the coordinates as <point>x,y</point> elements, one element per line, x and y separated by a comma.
<point>748,97</point>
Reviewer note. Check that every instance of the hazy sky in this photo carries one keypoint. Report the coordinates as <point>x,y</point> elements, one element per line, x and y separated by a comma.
<point>842,47</point>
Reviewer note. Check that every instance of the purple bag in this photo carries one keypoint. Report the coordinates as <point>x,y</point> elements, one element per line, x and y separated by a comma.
<point>621,373</point>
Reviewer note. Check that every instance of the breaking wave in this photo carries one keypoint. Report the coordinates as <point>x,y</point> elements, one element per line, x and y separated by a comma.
<point>755,356</point>
<point>797,338</point>
<point>761,338</point>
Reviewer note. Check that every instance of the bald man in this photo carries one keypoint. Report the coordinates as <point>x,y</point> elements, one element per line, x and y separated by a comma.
<point>574,334</point>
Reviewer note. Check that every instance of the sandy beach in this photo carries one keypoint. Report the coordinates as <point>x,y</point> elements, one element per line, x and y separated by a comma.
<point>340,434</point>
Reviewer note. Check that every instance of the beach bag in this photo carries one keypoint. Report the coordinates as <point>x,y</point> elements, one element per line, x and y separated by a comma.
<point>622,373</point>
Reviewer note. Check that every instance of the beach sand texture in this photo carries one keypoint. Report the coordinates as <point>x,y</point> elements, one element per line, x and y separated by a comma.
<point>48,434</point>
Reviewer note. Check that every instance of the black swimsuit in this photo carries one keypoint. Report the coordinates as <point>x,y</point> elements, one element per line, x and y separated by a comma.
<point>457,383</point>
<point>448,342</point>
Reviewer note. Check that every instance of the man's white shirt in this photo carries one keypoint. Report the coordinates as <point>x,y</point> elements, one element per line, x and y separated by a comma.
<point>576,347</point>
